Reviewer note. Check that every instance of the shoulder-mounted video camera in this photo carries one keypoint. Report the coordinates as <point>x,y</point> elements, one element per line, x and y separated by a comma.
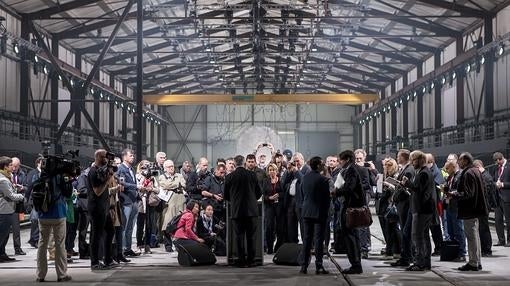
<point>65,164</point>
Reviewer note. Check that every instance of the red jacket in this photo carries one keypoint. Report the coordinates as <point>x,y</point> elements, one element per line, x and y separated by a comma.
<point>185,227</point>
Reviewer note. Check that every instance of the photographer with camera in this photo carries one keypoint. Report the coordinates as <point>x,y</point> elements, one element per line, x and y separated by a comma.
<point>146,174</point>
<point>211,230</point>
<point>100,178</point>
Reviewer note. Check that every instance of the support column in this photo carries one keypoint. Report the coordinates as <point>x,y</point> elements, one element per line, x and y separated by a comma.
<point>438,124</point>
<point>383,124</point>
<point>374,137</point>
<point>140,136</point>
<point>77,105</point>
<point>54,88</point>
<point>135,131</point>
<point>489,79</point>
<point>460,93</point>
<point>394,121</point>
<point>111,113</point>
<point>419,111</point>
<point>24,83</point>
<point>367,136</point>
<point>96,113</point>
<point>405,111</point>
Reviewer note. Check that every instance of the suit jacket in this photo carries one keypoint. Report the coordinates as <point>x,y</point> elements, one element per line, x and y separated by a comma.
<point>400,194</point>
<point>287,180</point>
<point>316,198</point>
<point>423,193</point>
<point>130,194</point>
<point>472,202</point>
<point>242,190</point>
<point>504,192</point>
<point>352,190</point>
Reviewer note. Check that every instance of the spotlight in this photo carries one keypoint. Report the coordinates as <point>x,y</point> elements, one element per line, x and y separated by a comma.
<point>501,50</point>
<point>122,105</point>
<point>15,47</point>
<point>482,60</point>
<point>468,68</point>
<point>396,104</point>
<point>432,85</point>
<point>36,59</point>
<point>60,77</point>
<point>101,95</point>
<point>143,115</point>
<point>408,97</point>
<point>443,80</point>
<point>92,91</point>
<point>71,81</point>
<point>400,102</point>
<point>454,75</point>
<point>46,70</point>
<point>415,93</point>
<point>424,90</point>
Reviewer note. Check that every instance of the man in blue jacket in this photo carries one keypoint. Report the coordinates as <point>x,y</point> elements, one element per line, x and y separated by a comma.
<point>128,199</point>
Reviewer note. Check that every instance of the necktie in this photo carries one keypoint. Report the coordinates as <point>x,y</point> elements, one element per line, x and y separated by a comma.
<point>500,171</point>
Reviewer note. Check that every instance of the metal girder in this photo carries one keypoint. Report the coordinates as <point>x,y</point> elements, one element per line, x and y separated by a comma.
<point>396,56</point>
<point>99,61</point>
<point>453,6</point>
<point>97,47</point>
<point>59,8</point>
<point>399,41</point>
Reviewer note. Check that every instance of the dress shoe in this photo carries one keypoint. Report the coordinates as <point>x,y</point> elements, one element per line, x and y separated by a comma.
<point>33,244</point>
<point>84,257</point>
<point>123,259</point>
<point>499,244</point>
<point>507,244</point>
<point>468,267</point>
<point>364,254</point>
<point>487,254</point>
<point>352,270</point>
<point>19,252</point>
<point>131,253</point>
<point>64,279</point>
<point>400,263</point>
<point>416,267</point>
<point>147,250</point>
<point>321,270</point>
<point>251,264</point>
<point>39,280</point>
<point>460,259</point>
<point>436,253</point>
<point>5,258</point>
<point>303,270</point>
<point>111,264</point>
<point>99,266</point>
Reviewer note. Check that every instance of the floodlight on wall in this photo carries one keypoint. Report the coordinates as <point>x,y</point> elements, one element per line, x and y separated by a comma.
<point>36,59</point>
<point>501,50</point>
<point>432,85</point>
<point>101,95</point>
<point>468,68</point>
<point>71,81</point>
<point>408,97</point>
<point>443,80</point>
<point>423,90</point>
<point>46,70</point>
<point>482,60</point>
<point>16,48</point>
<point>415,94</point>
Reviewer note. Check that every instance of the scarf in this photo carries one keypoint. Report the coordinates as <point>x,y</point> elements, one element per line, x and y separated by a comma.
<point>208,222</point>
<point>7,174</point>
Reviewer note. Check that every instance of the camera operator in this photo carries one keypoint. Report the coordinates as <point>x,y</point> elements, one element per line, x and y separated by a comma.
<point>100,176</point>
<point>147,192</point>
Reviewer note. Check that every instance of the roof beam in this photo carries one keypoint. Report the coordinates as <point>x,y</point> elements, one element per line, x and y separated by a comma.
<point>404,42</point>
<point>396,56</point>
<point>453,6</point>
<point>59,8</point>
<point>187,99</point>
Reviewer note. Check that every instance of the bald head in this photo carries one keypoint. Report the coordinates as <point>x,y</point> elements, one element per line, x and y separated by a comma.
<point>15,164</point>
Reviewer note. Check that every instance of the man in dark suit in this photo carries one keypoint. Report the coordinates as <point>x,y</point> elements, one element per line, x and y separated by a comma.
<point>293,195</point>
<point>242,190</point>
<point>502,178</point>
<point>128,199</point>
<point>315,211</point>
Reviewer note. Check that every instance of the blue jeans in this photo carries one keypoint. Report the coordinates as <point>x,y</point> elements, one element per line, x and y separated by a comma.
<point>130,214</point>
<point>456,231</point>
<point>5,222</point>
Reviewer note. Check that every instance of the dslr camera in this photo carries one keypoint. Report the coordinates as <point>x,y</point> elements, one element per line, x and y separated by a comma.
<point>104,171</point>
<point>149,170</point>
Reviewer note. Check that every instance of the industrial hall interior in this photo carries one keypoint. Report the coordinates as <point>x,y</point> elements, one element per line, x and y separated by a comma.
<point>255,142</point>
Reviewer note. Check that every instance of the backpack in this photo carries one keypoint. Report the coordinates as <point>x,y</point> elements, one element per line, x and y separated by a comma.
<point>172,227</point>
<point>45,194</point>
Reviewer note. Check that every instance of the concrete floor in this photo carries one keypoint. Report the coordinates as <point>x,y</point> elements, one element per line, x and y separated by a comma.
<point>161,268</point>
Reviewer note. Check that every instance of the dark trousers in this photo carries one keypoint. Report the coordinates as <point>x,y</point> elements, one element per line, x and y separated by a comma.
<point>364,233</point>
<point>292,221</point>
<point>421,238</point>
<point>281,225</point>
<point>351,239</point>
<point>437,236</point>
<point>71,229</point>
<point>384,227</point>
<point>485,235</point>
<point>245,228</point>
<point>117,251</point>
<point>502,217</point>
<point>101,230</point>
<point>16,238</point>
<point>34,227</point>
<point>394,238</point>
<point>144,227</point>
<point>456,230</point>
<point>270,226</point>
<point>314,231</point>
<point>406,220</point>
<point>5,222</point>
<point>83,225</point>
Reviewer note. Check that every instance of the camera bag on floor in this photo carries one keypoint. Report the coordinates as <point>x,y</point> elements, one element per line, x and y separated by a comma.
<point>194,255</point>
<point>449,250</point>
<point>288,254</point>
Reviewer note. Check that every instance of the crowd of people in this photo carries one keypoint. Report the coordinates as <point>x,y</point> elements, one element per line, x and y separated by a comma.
<point>303,201</point>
